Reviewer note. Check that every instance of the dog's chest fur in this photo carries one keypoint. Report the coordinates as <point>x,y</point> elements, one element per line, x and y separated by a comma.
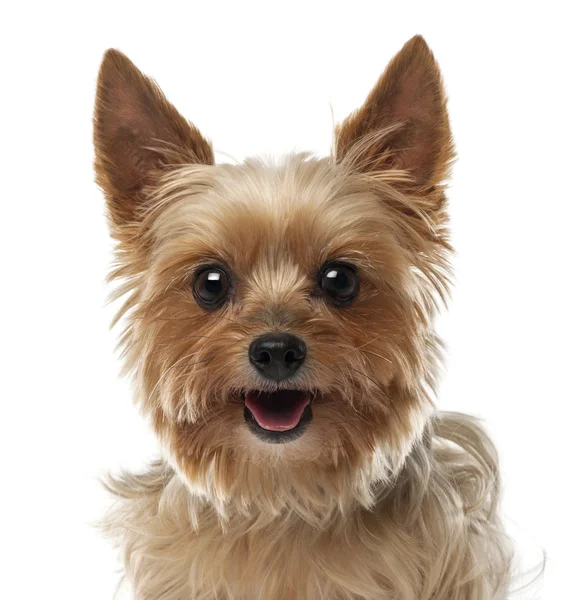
<point>177,548</point>
<point>283,559</point>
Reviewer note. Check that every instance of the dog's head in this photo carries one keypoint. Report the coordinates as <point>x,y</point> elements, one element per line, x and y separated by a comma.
<point>278,318</point>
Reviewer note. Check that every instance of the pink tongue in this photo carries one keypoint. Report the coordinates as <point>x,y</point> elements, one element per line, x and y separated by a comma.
<point>277,411</point>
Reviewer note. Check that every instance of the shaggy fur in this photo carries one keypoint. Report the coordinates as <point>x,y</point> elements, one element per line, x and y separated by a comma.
<point>382,498</point>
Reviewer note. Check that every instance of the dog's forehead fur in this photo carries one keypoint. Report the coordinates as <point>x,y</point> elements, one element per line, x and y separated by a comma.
<point>289,216</point>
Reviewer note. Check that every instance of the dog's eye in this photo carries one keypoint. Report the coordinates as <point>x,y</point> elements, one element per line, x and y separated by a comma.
<point>211,287</point>
<point>339,282</point>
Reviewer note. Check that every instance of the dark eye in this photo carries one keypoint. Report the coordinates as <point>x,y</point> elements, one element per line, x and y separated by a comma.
<point>339,282</point>
<point>211,287</point>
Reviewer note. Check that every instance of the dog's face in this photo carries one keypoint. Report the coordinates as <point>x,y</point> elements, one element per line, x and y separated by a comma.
<point>279,317</point>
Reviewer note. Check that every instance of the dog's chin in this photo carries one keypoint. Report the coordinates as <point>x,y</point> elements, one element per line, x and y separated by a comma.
<point>278,417</point>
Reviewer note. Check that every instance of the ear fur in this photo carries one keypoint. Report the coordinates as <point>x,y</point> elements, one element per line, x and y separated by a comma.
<point>137,133</point>
<point>403,124</point>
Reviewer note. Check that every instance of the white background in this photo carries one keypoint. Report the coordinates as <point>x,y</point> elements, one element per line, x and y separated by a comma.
<point>261,78</point>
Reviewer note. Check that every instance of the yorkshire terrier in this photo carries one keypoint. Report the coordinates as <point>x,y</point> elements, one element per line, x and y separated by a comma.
<point>278,325</point>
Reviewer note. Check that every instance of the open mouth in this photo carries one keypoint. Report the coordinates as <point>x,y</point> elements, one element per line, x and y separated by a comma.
<point>278,417</point>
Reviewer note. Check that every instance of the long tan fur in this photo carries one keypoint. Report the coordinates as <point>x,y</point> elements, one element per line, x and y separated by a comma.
<point>382,498</point>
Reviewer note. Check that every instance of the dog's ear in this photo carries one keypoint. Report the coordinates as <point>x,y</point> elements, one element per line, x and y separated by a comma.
<point>137,134</point>
<point>403,123</point>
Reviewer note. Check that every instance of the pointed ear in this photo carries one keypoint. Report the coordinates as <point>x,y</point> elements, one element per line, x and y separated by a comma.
<point>137,133</point>
<point>403,123</point>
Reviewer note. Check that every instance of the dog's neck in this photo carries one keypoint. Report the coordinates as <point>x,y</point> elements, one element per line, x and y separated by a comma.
<point>442,500</point>
<point>267,496</point>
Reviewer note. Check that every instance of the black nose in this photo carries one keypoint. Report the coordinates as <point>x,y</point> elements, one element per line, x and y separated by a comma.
<point>277,356</point>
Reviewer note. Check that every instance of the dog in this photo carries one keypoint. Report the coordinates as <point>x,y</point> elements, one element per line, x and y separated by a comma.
<point>278,328</point>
